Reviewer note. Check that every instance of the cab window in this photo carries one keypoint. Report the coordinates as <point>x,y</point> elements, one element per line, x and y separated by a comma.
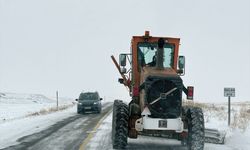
<point>147,54</point>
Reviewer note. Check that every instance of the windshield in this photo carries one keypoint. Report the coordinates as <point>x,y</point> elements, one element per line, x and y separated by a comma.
<point>88,96</point>
<point>147,54</point>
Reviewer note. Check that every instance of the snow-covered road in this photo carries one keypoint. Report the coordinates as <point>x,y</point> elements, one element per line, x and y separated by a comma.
<point>60,130</point>
<point>102,140</point>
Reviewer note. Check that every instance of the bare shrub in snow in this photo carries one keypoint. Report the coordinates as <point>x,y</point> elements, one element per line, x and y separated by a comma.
<point>241,119</point>
<point>50,110</point>
<point>240,113</point>
<point>210,110</point>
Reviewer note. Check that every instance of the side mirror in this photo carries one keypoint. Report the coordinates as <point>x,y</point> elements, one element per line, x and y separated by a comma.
<point>122,59</point>
<point>181,62</point>
<point>101,99</point>
<point>181,65</point>
<point>76,99</point>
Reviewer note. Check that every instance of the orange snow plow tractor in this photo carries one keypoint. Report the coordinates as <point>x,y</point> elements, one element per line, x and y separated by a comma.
<point>152,72</point>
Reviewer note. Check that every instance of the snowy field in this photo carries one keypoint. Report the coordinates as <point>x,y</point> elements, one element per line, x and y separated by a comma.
<point>24,114</point>
<point>16,106</point>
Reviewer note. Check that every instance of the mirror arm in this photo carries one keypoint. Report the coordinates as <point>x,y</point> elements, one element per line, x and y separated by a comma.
<point>181,72</point>
<point>129,59</point>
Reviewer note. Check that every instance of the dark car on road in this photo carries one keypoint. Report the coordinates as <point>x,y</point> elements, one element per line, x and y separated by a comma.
<point>89,102</point>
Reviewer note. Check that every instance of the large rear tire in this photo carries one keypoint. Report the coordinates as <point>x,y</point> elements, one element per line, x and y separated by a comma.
<point>120,125</point>
<point>196,134</point>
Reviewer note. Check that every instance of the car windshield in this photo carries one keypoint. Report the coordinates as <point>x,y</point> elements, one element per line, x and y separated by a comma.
<point>147,54</point>
<point>88,96</point>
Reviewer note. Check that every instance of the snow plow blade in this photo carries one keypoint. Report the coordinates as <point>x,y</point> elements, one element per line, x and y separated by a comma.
<point>214,136</point>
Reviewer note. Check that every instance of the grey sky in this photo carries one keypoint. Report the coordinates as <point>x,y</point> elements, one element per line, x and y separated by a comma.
<point>65,45</point>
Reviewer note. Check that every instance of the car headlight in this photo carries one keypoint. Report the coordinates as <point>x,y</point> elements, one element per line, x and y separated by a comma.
<point>80,103</point>
<point>95,103</point>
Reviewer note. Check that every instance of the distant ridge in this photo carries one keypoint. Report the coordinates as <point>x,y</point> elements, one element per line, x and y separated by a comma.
<point>24,98</point>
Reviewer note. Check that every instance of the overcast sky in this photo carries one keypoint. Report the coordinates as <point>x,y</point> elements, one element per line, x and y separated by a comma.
<point>65,45</point>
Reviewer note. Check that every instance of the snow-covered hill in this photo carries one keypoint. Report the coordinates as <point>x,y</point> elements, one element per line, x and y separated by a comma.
<point>16,106</point>
<point>14,98</point>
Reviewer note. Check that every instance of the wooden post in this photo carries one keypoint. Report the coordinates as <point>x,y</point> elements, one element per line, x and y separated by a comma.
<point>57,100</point>
<point>229,111</point>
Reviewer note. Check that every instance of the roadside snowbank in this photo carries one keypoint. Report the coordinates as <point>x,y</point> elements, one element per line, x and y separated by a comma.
<point>24,114</point>
<point>11,131</point>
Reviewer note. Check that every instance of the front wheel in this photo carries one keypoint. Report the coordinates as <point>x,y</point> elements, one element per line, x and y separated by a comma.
<point>99,111</point>
<point>78,111</point>
<point>120,125</point>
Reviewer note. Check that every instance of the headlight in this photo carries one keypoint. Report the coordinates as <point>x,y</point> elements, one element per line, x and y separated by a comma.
<point>95,103</point>
<point>80,103</point>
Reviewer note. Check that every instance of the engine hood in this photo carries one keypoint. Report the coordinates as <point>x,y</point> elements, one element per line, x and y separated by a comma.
<point>153,71</point>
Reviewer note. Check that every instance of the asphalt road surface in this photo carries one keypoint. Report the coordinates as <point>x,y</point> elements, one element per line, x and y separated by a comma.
<point>67,134</point>
<point>101,140</point>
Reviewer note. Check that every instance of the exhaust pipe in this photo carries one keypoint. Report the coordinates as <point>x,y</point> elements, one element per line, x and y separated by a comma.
<point>159,54</point>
